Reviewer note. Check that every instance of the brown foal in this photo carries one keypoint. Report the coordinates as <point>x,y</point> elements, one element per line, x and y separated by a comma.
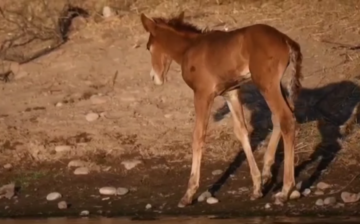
<point>216,63</point>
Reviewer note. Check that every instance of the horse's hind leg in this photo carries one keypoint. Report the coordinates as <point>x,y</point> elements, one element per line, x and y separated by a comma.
<point>287,121</point>
<point>241,132</point>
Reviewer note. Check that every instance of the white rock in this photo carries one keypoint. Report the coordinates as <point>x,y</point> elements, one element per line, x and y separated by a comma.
<point>95,99</point>
<point>323,186</point>
<point>84,213</point>
<point>7,166</point>
<point>130,164</point>
<point>205,195</point>
<point>348,197</point>
<point>59,104</point>
<point>91,116</point>
<point>81,171</point>
<point>53,196</point>
<point>212,200</point>
<point>76,163</point>
<point>107,190</point>
<point>295,195</point>
<point>122,191</point>
<point>62,148</point>
<point>62,205</point>
<point>148,206</point>
<point>217,172</point>
<point>329,201</point>
<point>107,12</point>
<point>319,192</point>
<point>319,202</point>
<point>267,206</point>
<point>306,192</point>
<point>7,190</point>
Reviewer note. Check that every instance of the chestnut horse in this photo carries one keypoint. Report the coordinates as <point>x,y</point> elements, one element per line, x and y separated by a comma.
<point>216,63</point>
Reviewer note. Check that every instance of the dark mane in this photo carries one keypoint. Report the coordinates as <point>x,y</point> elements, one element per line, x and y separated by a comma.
<point>179,25</point>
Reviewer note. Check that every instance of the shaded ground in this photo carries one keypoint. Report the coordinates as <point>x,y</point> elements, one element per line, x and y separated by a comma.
<point>154,123</point>
<point>160,186</point>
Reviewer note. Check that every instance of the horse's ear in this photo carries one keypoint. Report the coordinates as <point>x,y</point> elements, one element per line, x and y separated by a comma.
<point>181,16</point>
<point>148,24</point>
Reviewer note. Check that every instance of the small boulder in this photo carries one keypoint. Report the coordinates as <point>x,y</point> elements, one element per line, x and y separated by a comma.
<point>122,191</point>
<point>205,195</point>
<point>319,202</point>
<point>323,186</point>
<point>348,197</point>
<point>295,195</point>
<point>81,171</point>
<point>212,200</point>
<point>62,205</point>
<point>108,191</point>
<point>62,148</point>
<point>53,196</point>
<point>330,201</point>
<point>91,116</point>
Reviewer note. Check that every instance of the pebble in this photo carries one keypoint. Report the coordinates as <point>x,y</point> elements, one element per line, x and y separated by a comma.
<point>205,195</point>
<point>7,166</point>
<point>306,192</point>
<point>295,195</point>
<point>212,200</point>
<point>7,190</point>
<point>62,205</point>
<point>348,197</point>
<point>91,116</point>
<point>84,213</point>
<point>62,148</point>
<point>76,163</point>
<point>319,192</point>
<point>217,172</point>
<point>81,171</point>
<point>107,12</point>
<point>168,116</point>
<point>329,201</point>
<point>323,186</point>
<point>130,164</point>
<point>53,196</point>
<point>59,104</point>
<point>122,191</point>
<point>95,99</point>
<point>148,206</point>
<point>319,202</point>
<point>108,191</point>
<point>267,206</point>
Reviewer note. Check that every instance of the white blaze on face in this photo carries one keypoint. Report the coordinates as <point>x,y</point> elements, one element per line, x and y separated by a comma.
<point>154,75</point>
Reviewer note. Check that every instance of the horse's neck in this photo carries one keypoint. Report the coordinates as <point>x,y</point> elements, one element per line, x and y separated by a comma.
<point>178,47</point>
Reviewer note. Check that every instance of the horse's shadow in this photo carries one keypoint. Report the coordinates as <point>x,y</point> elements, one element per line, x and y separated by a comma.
<point>333,107</point>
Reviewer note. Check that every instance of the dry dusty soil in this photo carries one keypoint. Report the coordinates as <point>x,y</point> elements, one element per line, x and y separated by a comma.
<point>46,103</point>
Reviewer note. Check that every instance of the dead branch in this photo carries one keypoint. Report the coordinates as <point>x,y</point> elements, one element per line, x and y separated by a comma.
<point>341,45</point>
<point>29,33</point>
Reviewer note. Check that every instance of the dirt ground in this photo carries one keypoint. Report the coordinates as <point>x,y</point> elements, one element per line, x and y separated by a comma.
<point>46,103</point>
